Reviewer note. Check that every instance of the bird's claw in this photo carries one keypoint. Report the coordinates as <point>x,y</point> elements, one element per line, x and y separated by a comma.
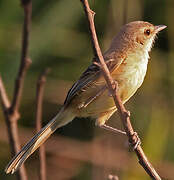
<point>135,141</point>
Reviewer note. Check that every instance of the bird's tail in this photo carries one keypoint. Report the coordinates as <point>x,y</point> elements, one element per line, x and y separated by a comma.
<point>61,119</point>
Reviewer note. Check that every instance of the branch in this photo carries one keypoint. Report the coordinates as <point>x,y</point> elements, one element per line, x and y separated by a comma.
<point>3,95</point>
<point>39,101</point>
<point>112,86</point>
<point>25,61</point>
<point>11,110</point>
<point>12,128</point>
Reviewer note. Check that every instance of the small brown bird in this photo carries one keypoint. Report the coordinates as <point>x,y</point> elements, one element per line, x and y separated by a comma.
<point>127,59</point>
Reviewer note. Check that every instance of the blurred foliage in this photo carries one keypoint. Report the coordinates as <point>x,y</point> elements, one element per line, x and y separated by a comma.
<point>60,40</point>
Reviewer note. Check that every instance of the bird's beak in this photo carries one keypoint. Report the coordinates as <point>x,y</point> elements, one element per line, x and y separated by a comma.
<point>160,28</point>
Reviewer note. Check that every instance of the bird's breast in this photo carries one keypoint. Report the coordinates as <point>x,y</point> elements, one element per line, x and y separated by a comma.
<point>131,73</point>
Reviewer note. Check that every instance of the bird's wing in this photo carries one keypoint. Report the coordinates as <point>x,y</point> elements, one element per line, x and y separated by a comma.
<point>91,74</point>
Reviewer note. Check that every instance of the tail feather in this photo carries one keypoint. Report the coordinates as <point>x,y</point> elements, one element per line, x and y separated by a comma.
<point>61,119</point>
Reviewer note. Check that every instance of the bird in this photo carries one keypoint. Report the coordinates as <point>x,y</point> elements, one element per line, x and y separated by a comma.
<point>126,58</point>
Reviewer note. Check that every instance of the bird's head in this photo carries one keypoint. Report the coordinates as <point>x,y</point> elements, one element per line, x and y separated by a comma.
<point>140,34</point>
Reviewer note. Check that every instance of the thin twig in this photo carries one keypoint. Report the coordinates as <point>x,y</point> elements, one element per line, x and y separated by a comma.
<point>25,61</point>
<point>11,110</point>
<point>4,98</point>
<point>112,86</point>
<point>39,100</point>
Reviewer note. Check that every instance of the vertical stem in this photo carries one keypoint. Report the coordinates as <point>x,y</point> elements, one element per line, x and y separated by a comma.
<point>11,111</point>
<point>25,61</point>
<point>39,102</point>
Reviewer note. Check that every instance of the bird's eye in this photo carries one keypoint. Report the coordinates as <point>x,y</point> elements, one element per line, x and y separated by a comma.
<point>147,32</point>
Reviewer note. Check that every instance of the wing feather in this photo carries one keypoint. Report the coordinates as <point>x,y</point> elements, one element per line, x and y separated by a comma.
<point>91,74</point>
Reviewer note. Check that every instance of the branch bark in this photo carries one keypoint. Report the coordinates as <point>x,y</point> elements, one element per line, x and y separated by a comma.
<point>25,61</point>
<point>4,98</point>
<point>112,86</point>
<point>11,110</point>
<point>39,101</point>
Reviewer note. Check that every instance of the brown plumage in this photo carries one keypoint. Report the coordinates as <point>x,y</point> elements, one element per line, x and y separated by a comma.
<point>126,58</point>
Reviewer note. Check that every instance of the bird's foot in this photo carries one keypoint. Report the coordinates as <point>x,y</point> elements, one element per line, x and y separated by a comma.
<point>135,141</point>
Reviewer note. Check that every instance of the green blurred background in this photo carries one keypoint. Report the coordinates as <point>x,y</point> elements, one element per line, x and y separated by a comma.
<point>60,40</point>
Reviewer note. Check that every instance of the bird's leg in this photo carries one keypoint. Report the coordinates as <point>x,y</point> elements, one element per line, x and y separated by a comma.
<point>101,122</point>
<point>109,128</point>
